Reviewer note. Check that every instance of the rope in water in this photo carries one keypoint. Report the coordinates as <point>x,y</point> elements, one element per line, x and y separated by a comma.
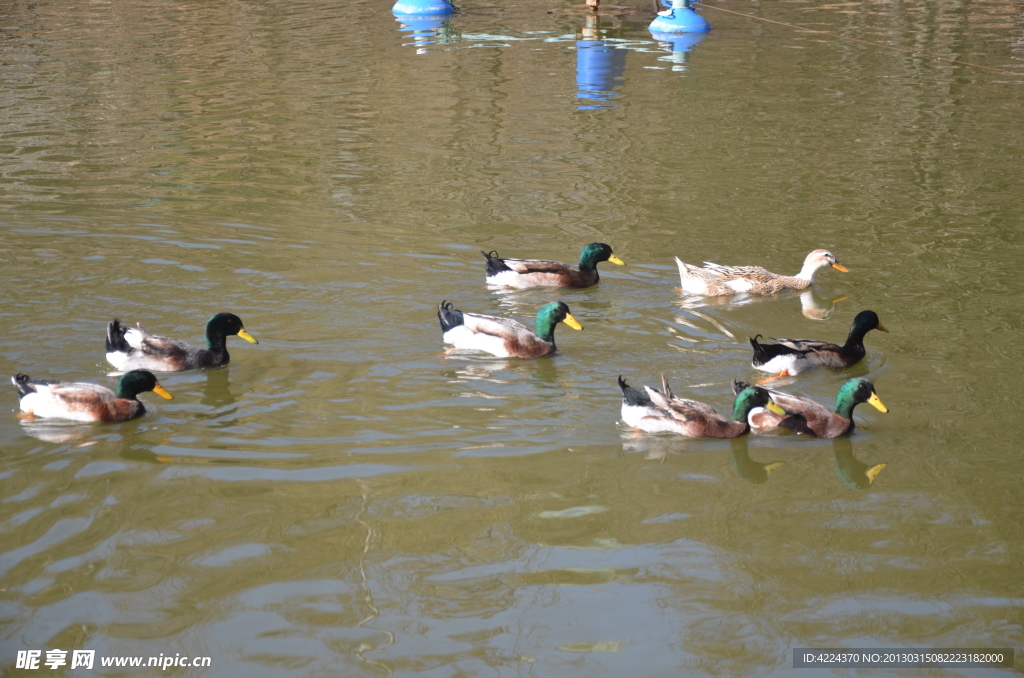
<point>864,42</point>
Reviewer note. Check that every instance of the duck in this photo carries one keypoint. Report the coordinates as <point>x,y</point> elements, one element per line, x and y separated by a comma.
<point>657,411</point>
<point>714,280</point>
<point>81,401</point>
<point>136,349</point>
<point>803,415</point>
<point>504,337</point>
<point>522,273</point>
<point>793,356</point>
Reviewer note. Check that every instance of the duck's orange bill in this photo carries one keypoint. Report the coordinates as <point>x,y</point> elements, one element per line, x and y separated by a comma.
<point>162,392</point>
<point>840,267</point>
<point>571,322</point>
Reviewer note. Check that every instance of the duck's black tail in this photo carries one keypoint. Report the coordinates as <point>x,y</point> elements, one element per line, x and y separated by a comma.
<point>760,355</point>
<point>448,316</point>
<point>495,264</point>
<point>22,383</point>
<point>115,337</point>
<point>633,397</point>
<point>738,385</point>
<point>763,353</point>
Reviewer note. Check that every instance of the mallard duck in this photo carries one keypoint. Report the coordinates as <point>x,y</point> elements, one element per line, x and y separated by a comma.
<point>659,411</point>
<point>803,415</point>
<point>542,273</point>
<point>793,356</point>
<point>134,348</point>
<point>503,337</point>
<point>86,402</point>
<point>714,280</point>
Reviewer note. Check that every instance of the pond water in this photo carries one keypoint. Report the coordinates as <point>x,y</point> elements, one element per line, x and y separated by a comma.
<point>347,499</point>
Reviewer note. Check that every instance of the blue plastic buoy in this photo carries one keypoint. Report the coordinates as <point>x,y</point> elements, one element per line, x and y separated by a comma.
<point>668,3</point>
<point>679,19</point>
<point>680,44</point>
<point>423,7</point>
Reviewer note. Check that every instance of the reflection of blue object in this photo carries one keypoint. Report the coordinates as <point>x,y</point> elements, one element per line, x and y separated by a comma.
<point>423,7</point>
<point>681,43</point>
<point>679,19</point>
<point>424,29</point>
<point>599,69</point>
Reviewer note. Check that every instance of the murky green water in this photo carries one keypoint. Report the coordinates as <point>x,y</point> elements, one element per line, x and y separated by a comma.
<point>345,499</point>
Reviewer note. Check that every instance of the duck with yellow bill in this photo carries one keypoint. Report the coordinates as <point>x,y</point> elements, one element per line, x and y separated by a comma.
<point>657,411</point>
<point>82,401</point>
<point>133,348</point>
<point>522,273</point>
<point>803,415</point>
<point>504,337</point>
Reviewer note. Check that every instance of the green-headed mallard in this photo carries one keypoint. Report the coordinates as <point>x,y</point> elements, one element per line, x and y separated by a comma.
<point>792,356</point>
<point>542,273</point>
<point>657,411</point>
<point>803,415</point>
<point>714,280</point>
<point>134,348</point>
<point>84,401</point>
<point>503,337</point>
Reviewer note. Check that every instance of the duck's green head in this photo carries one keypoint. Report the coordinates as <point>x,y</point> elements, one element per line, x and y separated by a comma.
<point>855,392</point>
<point>131,384</point>
<point>751,397</point>
<point>222,326</point>
<point>550,315</point>
<point>864,322</point>
<point>596,252</point>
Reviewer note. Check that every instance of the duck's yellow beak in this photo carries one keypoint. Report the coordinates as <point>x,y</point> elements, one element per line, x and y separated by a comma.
<point>571,322</point>
<point>768,468</point>
<point>615,260</point>
<point>876,402</point>
<point>840,267</point>
<point>879,327</point>
<point>248,337</point>
<point>772,407</point>
<point>162,392</point>
<point>872,472</point>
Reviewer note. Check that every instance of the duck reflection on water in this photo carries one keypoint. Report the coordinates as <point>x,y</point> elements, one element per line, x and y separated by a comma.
<point>746,468</point>
<point>217,391</point>
<point>57,431</point>
<point>856,474</point>
<point>812,306</point>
